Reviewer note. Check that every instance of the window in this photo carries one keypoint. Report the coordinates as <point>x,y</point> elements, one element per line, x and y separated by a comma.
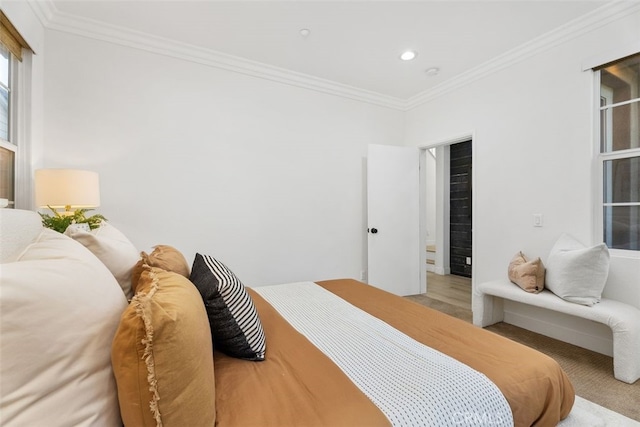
<point>11,49</point>
<point>619,156</point>
<point>7,149</point>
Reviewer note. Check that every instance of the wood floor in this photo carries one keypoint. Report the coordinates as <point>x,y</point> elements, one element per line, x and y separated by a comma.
<point>452,289</point>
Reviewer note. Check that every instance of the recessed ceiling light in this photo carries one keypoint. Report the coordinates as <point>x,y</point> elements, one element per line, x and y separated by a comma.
<point>432,71</point>
<point>305,32</point>
<point>408,55</point>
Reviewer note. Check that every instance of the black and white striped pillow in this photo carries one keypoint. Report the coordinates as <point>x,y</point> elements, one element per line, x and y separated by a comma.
<point>235,327</point>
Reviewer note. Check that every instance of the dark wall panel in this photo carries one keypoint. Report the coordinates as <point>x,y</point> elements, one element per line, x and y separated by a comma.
<point>460,208</point>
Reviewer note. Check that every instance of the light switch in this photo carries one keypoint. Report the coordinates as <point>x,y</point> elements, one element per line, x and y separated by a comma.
<point>537,220</point>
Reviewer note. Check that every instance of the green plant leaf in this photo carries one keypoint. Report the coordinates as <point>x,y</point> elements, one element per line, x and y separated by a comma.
<point>60,222</point>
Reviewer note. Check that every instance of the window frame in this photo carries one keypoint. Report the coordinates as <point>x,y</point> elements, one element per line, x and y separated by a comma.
<point>20,120</point>
<point>11,143</point>
<point>599,170</point>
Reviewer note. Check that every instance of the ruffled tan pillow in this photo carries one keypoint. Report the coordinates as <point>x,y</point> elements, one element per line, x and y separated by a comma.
<point>529,275</point>
<point>164,257</point>
<point>162,355</point>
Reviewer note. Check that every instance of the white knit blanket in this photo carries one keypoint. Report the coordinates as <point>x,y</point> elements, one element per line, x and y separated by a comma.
<point>412,384</point>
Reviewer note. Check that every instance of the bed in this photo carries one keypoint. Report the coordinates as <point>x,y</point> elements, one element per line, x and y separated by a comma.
<point>338,352</point>
<point>305,384</point>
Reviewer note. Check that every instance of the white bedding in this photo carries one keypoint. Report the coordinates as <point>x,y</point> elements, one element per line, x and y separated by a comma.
<point>393,370</point>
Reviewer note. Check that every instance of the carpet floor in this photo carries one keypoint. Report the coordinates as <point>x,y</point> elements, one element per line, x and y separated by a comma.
<point>591,373</point>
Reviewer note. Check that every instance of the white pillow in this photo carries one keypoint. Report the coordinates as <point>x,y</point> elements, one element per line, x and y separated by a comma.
<point>59,310</point>
<point>575,272</point>
<point>112,248</point>
<point>18,228</point>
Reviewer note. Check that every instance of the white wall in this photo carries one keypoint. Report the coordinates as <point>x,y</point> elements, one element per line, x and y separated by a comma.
<point>267,177</point>
<point>532,154</point>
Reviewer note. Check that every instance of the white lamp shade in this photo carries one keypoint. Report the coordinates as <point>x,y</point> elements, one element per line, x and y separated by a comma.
<point>67,187</point>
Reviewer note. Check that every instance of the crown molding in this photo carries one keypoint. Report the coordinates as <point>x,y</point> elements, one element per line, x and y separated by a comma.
<point>54,19</point>
<point>579,26</point>
<point>60,21</point>
<point>43,9</point>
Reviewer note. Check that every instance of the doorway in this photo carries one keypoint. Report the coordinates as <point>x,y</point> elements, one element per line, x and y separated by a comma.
<point>448,207</point>
<point>409,224</point>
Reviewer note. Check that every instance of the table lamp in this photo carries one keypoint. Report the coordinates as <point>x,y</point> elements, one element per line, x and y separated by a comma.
<point>72,190</point>
<point>67,189</point>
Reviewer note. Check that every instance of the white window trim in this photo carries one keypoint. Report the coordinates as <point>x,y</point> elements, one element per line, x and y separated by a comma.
<point>598,174</point>
<point>22,132</point>
<point>19,131</point>
<point>10,143</point>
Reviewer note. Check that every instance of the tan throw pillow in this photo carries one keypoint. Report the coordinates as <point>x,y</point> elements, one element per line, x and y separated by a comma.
<point>164,257</point>
<point>529,275</point>
<point>162,355</point>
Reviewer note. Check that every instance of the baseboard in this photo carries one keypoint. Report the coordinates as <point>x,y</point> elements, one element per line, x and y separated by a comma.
<point>442,271</point>
<point>573,330</point>
<point>431,268</point>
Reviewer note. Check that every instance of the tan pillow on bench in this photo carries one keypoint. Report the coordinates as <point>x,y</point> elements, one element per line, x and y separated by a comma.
<point>529,275</point>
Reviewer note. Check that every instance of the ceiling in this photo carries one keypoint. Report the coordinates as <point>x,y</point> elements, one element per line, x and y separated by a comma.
<point>353,43</point>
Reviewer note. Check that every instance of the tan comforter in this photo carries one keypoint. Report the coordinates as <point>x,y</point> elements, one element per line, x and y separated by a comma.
<point>299,386</point>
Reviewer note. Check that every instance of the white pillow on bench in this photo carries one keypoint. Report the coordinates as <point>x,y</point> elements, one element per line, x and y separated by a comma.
<point>577,273</point>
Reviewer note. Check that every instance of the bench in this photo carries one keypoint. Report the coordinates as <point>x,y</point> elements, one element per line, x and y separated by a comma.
<point>623,319</point>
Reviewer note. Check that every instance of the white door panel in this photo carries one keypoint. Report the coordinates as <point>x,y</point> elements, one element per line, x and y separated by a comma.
<point>393,211</point>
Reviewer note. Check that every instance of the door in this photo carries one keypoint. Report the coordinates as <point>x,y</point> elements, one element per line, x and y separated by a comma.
<point>393,218</point>
<point>460,209</point>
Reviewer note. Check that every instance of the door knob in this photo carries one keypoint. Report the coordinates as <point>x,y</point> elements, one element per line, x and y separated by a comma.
<point>374,230</point>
